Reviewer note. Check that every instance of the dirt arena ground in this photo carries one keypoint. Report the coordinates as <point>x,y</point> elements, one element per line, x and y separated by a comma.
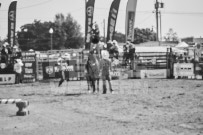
<point>138,107</point>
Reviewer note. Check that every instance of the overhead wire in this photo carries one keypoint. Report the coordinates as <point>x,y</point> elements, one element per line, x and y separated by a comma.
<point>34,5</point>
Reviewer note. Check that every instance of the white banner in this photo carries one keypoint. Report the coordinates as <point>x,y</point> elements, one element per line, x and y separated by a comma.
<point>7,78</point>
<point>156,73</point>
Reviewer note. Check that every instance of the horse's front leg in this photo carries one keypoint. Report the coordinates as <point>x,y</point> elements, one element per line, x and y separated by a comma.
<point>93,85</point>
<point>88,85</point>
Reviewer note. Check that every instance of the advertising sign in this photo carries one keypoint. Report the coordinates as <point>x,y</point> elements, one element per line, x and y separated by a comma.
<point>89,22</point>
<point>183,69</point>
<point>113,13</point>
<point>12,23</point>
<point>51,70</point>
<point>29,67</point>
<point>130,19</point>
<point>156,73</point>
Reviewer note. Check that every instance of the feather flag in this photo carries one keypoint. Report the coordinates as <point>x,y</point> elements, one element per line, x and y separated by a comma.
<point>12,23</point>
<point>89,13</point>
<point>130,19</point>
<point>113,13</point>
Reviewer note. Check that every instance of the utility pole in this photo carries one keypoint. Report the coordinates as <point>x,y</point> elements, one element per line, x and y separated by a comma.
<point>157,6</point>
<point>157,22</point>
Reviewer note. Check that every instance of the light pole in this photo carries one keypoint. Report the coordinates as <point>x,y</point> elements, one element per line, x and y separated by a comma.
<point>160,27</point>
<point>51,33</point>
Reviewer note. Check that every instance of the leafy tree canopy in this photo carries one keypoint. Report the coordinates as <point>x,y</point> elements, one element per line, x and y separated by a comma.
<point>66,34</point>
<point>143,35</point>
<point>140,36</point>
<point>171,35</point>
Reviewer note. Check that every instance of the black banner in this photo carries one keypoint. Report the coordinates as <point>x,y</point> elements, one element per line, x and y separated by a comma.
<point>51,70</point>
<point>89,12</point>
<point>112,19</point>
<point>12,23</point>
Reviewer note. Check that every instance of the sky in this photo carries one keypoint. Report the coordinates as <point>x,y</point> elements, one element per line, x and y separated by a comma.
<point>185,17</point>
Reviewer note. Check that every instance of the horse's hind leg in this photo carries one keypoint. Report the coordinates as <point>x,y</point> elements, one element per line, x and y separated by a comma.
<point>98,85</point>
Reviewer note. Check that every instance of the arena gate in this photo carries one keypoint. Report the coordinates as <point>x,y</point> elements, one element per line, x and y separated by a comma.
<point>190,66</point>
<point>152,64</point>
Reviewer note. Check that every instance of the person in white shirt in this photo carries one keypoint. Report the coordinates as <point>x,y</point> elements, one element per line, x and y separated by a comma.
<point>18,70</point>
<point>105,69</point>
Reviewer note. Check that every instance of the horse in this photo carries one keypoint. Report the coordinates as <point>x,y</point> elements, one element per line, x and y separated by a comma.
<point>93,71</point>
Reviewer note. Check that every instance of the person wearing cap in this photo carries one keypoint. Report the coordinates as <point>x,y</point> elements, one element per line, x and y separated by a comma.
<point>114,50</point>
<point>18,70</point>
<point>109,45</point>
<point>16,52</point>
<point>95,34</point>
<point>131,55</point>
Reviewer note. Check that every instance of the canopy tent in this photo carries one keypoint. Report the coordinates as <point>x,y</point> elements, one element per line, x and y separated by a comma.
<point>178,50</point>
<point>182,45</point>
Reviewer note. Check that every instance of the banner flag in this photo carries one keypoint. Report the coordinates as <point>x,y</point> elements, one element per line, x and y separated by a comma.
<point>89,12</point>
<point>113,12</point>
<point>12,23</point>
<point>130,20</point>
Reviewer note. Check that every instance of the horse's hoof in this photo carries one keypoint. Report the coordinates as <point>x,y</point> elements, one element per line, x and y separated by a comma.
<point>90,91</point>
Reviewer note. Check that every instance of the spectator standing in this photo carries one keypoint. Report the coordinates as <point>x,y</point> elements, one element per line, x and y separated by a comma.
<point>4,53</point>
<point>125,55</point>
<point>18,70</point>
<point>114,50</point>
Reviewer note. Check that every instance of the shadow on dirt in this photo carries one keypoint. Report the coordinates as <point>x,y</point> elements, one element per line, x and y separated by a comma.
<point>72,94</point>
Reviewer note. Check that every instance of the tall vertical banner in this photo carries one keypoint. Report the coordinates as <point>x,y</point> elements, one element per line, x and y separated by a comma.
<point>113,13</point>
<point>89,12</point>
<point>12,23</point>
<point>130,20</point>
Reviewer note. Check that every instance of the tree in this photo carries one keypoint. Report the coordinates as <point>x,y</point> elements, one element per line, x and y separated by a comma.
<point>119,37</point>
<point>171,35</point>
<point>143,35</point>
<point>36,35</point>
<point>140,36</point>
<point>68,33</point>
